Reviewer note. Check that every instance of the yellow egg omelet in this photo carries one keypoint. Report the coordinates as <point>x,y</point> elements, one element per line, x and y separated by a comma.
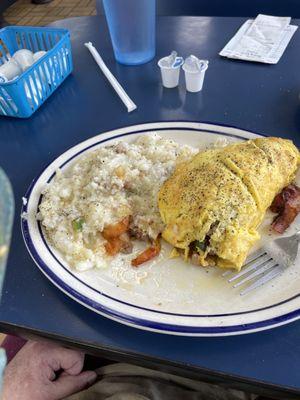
<point>213,204</point>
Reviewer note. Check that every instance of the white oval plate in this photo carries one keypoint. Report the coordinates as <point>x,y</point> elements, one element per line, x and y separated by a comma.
<point>166,295</point>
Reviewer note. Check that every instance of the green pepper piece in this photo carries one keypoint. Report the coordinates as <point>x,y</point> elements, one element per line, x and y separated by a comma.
<point>77,224</point>
<point>198,246</point>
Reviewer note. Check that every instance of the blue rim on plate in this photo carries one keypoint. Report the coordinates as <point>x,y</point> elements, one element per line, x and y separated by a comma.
<point>110,312</point>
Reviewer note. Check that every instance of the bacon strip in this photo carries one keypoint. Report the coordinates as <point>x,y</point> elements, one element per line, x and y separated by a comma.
<point>147,254</point>
<point>278,203</point>
<point>287,204</point>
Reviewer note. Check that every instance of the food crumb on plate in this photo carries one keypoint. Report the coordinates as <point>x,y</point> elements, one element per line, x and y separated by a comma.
<point>24,215</point>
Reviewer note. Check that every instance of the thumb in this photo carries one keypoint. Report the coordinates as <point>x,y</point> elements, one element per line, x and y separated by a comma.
<point>70,384</point>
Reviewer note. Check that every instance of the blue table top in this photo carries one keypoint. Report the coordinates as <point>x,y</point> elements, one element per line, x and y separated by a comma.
<point>256,97</point>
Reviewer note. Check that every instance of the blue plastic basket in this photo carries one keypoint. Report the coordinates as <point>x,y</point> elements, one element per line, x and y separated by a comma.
<point>25,94</point>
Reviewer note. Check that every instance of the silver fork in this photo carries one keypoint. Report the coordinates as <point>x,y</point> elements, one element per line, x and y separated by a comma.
<point>266,263</point>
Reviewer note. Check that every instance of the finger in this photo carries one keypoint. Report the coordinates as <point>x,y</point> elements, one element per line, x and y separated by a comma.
<point>67,385</point>
<point>68,360</point>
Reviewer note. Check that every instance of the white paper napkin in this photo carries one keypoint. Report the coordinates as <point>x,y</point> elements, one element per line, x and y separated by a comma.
<point>262,40</point>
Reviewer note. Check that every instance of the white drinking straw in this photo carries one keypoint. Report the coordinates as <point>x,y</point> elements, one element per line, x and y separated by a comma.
<point>113,81</point>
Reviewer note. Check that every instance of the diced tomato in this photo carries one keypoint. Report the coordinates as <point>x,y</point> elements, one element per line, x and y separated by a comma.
<point>116,230</point>
<point>113,246</point>
<point>121,244</point>
<point>147,254</point>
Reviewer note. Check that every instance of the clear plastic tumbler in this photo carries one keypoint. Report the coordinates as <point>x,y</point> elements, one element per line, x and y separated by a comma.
<point>132,29</point>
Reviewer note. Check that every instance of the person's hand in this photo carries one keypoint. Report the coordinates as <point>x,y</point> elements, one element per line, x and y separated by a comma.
<point>44,371</point>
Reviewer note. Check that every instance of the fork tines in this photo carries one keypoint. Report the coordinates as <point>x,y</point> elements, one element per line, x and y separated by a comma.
<point>258,265</point>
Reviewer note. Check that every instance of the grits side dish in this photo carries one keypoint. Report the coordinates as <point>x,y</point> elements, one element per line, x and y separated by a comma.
<point>93,210</point>
<point>213,204</point>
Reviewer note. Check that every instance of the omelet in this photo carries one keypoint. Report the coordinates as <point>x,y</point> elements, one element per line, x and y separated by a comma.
<point>213,204</point>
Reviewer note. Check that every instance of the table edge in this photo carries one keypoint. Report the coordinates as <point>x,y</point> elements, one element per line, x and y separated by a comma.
<point>189,371</point>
